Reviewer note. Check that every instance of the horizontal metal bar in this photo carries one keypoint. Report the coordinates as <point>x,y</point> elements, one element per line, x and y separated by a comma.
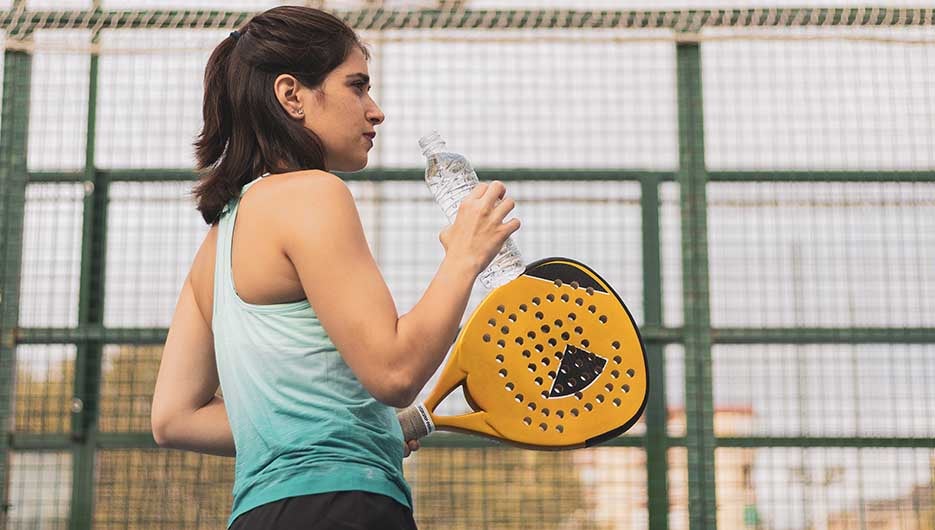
<point>148,175</point>
<point>138,336</point>
<point>377,174</point>
<point>524,174</point>
<point>661,335</point>
<point>143,336</point>
<point>527,174</point>
<point>650,334</point>
<point>118,175</point>
<point>377,18</point>
<point>144,440</point>
<point>59,441</point>
<point>40,442</point>
<point>125,440</point>
<point>805,442</point>
<point>824,336</point>
<point>55,177</point>
<point>821,176</point>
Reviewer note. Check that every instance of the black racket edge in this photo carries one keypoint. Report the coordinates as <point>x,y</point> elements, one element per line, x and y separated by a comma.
<point>583,279</point>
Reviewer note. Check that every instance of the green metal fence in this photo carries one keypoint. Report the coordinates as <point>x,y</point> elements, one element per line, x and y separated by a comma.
<point>758,184</point>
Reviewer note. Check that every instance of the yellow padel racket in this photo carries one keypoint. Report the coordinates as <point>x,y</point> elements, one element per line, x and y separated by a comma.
<point>551,360</point>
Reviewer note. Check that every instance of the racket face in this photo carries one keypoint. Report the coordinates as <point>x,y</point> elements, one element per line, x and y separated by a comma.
<point>554,358</point>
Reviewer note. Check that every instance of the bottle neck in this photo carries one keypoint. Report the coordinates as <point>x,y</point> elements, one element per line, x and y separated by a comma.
<point>432,144</point>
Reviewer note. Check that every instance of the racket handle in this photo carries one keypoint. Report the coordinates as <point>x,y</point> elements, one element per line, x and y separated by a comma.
<point>416,422</point>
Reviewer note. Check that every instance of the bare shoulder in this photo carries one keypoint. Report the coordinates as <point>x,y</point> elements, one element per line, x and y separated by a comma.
<point>295,188</point>
<point>290,200</point>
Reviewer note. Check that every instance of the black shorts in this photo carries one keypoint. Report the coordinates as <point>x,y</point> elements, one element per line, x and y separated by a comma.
<point>340,510</point>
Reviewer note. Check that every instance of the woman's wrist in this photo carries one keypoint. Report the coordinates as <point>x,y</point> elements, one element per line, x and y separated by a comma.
<point>460,265</point>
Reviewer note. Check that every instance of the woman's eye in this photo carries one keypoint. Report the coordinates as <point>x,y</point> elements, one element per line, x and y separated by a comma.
<point>362,87</point>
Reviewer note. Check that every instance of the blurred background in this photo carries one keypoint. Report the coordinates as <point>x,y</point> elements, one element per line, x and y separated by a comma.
<point>756,179</point>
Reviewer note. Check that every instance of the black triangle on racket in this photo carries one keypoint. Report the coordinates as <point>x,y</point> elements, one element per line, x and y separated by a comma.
<point>578,370</point>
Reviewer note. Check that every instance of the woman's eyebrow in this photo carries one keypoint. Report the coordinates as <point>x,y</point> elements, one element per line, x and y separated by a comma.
<point>363,77</point>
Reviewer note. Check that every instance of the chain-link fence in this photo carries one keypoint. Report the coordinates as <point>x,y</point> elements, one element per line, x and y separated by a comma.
<point>758,184</point>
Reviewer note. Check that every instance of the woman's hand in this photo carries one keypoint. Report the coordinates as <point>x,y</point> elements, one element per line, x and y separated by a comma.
<point>410,447</point>
<point>478,232</point>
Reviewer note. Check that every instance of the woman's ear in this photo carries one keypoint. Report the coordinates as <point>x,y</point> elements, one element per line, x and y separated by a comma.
<point>286,88</point>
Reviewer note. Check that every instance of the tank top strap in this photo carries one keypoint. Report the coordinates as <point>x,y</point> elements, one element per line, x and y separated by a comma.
<point>224,291</point>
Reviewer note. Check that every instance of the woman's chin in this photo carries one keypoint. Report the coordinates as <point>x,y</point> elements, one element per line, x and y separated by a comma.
<point>349,166</point>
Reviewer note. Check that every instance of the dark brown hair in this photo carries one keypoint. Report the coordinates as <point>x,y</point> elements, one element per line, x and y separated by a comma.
<point>246,131</point>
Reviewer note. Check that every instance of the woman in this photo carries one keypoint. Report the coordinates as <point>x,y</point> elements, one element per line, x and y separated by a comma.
<point>286,309</point>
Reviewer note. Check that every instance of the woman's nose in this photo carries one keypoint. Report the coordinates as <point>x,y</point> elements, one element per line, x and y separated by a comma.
<point>375,115</point>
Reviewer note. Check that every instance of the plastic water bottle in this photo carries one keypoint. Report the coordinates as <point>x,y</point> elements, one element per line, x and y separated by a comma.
<point>451,178</point>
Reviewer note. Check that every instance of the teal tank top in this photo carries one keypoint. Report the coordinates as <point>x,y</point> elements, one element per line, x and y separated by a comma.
<point>302,422</point>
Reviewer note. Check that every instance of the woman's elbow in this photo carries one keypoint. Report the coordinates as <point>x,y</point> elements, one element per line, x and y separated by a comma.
<point>396,391</point>
<point>159,424</point>
<point>399,400</point>
<point>160,438</point>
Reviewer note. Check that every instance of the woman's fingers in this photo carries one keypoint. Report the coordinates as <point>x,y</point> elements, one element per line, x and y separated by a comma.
<point>504,207</point>
<point>410,447</point>
<point>478,231</point>
<point>512,226</point>
<point>479,191</point>
<point>494,192</point>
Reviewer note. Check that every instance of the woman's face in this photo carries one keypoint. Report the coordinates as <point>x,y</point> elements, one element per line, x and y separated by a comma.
<point>343,115</point>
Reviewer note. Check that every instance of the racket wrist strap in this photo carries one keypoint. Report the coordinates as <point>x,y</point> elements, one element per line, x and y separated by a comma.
<point>426,418</point>
<point>416,422</point>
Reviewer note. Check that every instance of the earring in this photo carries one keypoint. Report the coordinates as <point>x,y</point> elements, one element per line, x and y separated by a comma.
<point>300,112</point>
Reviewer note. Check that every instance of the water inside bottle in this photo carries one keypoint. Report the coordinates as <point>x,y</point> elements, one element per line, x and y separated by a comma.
<point>450,178</point>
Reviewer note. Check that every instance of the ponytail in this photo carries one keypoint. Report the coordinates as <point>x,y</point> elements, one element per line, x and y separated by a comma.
<point>215,134</point>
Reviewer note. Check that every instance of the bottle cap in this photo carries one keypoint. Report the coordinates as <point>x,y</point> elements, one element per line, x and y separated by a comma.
<point>432,143</point>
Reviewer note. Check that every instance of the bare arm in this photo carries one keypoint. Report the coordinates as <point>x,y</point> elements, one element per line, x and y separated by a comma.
<point>393,357</point>
<point>186,412</point>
